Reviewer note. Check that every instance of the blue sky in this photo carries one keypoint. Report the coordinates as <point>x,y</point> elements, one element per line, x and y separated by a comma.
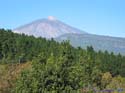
<point>103,17</point>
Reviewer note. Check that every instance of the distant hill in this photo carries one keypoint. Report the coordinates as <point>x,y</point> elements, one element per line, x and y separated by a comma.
<point>111,44</point>
<point>53,28</point>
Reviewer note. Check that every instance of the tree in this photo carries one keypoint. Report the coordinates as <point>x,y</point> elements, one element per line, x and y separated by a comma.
<point>106,79</point>
<point>1,51</point>
<point>116,83</point>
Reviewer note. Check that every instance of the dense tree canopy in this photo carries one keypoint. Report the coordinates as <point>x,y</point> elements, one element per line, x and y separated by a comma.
<point>59,66</point>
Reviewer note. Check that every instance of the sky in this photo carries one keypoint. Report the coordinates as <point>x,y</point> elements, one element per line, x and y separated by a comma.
<point>102,17</point>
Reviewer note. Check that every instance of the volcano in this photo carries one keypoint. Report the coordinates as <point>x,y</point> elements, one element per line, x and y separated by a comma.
<point>52,28</point>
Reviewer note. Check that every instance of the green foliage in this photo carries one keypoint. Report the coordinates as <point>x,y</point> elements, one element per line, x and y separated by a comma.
<point>106,79</point>
<point>58,66</point>
<point>116,83</point>
<point>54,75</point>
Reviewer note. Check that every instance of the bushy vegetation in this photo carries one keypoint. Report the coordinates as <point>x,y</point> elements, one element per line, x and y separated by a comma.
<point>58,67</point>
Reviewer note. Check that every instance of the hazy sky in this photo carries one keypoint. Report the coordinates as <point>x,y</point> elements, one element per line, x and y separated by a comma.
<point>105,17</point>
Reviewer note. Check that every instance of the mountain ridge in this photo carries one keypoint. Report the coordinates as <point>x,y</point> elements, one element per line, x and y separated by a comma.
<point>53,28</point>
<point>99,42</point>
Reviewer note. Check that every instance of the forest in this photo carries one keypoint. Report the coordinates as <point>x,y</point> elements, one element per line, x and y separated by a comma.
<point>38,65</point>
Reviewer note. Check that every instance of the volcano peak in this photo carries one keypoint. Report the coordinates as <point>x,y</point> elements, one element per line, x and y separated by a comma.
<point>51,18</point>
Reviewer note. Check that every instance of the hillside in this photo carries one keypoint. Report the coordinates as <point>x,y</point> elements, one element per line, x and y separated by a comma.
<point>111,44</point>
<point>9,73</point>
<point>53,28</point>
<point>36,65</point>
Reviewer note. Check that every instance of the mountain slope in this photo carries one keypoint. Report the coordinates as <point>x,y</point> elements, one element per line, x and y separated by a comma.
<point>111,44</point>
<point>48,28</point>
<point>53,28</point>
